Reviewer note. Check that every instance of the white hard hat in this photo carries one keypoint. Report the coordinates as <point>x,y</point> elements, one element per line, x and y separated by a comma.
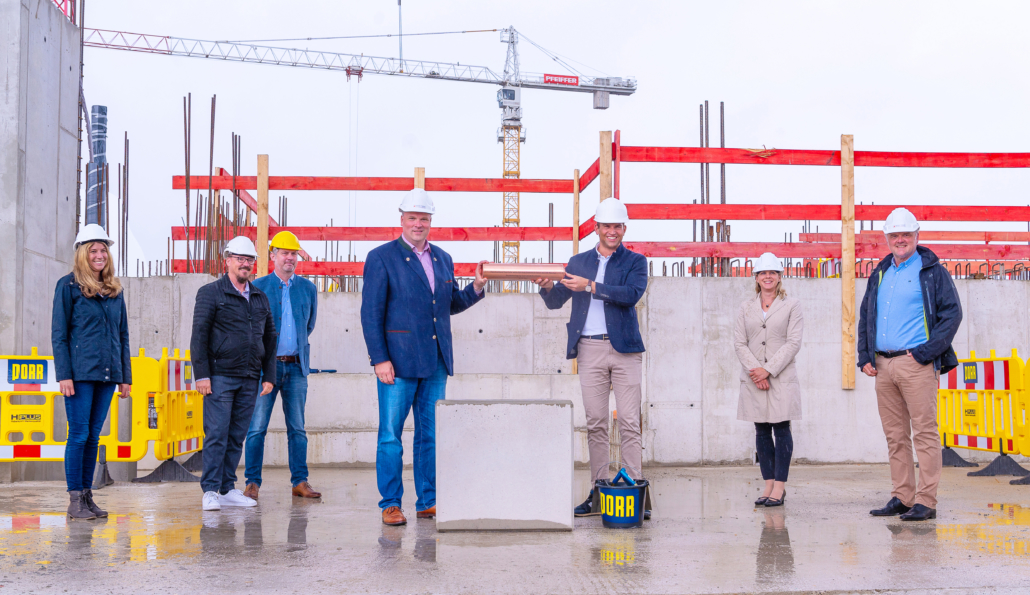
<point>92,233</point>
<point>900,220</point>
<point>767,262</point>
<point>611,210</point>
<point>417,201</point>
<point>240,245</point>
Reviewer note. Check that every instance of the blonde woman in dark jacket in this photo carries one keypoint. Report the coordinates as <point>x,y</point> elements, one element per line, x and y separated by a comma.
<point>90,338</point>
<point>766,339</point>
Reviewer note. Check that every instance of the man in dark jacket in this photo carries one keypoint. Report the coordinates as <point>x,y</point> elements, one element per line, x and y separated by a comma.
<point>908,319</point>
<point>232,348</point>
<point>407,301</point>
<point>605,284</point>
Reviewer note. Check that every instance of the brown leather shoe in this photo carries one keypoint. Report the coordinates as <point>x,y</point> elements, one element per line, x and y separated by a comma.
<point>304,490</point>
<point>427,513</point>
<point>393,516</point>
<point>251,491</point>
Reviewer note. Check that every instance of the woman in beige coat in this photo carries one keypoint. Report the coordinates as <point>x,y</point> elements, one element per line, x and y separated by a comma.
<point>767,338</point>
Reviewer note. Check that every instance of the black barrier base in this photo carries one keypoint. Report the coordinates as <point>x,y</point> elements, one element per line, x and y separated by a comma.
<point>950,458</point>
<point>168,471</point>
<point>1001,465</point>
<point>1021,482</point>
<point>101,477</point>
<point>195,462</point>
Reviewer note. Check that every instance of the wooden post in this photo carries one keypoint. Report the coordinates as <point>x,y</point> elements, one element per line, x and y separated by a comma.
<point>606,165</point>
<point>575,234</point>
<point>847,265</point>
<point>420,177</point>
<point>262,216</point>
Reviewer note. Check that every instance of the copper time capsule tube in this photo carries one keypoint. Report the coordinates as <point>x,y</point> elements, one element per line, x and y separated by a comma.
<point>523,272</point>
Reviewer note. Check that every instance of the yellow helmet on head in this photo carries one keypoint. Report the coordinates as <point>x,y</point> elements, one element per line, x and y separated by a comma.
<point>285,240</point>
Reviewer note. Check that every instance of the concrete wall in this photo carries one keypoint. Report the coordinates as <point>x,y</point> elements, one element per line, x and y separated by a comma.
<point>512,347</point>
<point>39,56</point>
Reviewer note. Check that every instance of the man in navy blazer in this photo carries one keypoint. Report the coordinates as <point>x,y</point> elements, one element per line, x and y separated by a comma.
<point>605,284</point>
<point>407,300</point>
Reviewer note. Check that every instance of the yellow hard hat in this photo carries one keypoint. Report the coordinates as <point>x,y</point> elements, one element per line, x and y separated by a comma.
<point>285,240</point>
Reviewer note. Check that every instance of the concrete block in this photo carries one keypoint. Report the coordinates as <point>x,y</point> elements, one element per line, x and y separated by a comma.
<point>504,465</point>
<point>674,432</point>
<point>675,358</point>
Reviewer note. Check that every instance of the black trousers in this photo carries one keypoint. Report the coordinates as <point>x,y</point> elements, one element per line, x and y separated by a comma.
<point>774,457</point>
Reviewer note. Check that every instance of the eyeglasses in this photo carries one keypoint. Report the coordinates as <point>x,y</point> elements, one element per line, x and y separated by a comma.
<point>244,259</point>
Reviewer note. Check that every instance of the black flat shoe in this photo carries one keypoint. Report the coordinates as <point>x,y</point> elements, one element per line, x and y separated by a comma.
<point>919,513</point>
<point>586,508</point>
<point>647,515</point>
<point>761,501</point>
<point>772,502</point>
<point>893,507</point>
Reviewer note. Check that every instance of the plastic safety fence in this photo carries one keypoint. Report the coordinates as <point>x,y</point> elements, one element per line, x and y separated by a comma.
<point>178,410</point>
<point>981,403</point>
<point>164,410</point>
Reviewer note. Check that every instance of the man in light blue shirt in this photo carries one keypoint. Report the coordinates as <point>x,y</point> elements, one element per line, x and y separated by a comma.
<point>909,317</point>
<point>294,304</point>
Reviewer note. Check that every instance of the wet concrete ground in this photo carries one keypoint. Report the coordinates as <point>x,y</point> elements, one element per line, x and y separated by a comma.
<point>706,537</point>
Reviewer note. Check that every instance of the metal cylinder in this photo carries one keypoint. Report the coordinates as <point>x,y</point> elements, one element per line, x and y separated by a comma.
<point>523,271</point>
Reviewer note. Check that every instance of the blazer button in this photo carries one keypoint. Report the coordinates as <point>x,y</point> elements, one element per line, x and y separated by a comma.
<point>434,301</point>
<point>763,326</point>
<point>434,336</point>
<point>763,342</point>
<point>408,259</point>
<point>434,320</point>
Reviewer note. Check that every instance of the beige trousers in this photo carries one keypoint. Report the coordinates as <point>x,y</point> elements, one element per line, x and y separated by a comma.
<point>600,369</point>
<point>906,393</point>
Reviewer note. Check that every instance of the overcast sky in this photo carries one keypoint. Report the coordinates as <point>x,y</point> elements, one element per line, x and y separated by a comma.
<point>911,76</point>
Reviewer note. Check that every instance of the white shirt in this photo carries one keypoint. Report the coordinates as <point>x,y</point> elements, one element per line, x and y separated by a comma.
<point>595,324</point>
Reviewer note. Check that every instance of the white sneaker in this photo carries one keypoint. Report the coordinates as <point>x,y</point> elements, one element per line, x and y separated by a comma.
<point>236,498</point>
<point>211,501</point>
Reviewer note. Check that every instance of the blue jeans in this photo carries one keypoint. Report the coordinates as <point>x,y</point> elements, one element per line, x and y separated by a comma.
<point>293,384</point>
<point>227,413</point>
<point>774,458</point>
<point>395,401</point>
<point>86,410</point>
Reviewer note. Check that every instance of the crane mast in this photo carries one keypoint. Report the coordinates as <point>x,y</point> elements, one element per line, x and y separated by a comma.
<point>511,136</point>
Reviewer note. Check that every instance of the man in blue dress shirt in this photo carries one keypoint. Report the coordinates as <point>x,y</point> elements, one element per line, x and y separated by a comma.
<point>294,303</point>
<point>909,317</point>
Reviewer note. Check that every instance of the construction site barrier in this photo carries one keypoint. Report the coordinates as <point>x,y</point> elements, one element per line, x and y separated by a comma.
<point>165,410</point>
<point>981,406</point>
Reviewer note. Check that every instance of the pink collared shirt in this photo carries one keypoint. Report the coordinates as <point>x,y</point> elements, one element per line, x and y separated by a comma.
<point>427,262</point>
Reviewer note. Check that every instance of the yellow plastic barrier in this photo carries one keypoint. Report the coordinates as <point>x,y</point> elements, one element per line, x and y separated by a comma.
<point>977,403</point>
<point>172,420</point>
<point>179,408</point>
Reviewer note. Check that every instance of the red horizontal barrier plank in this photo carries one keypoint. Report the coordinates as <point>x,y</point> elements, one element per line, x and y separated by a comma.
<point>382,183</point>
<point>945,213</point>
<point>806,157</point>
<point>955,251</point>
<point>741,156</point>
<point>461,269</point>
<point>733,249</point>
<point>376,234</point>
<point>740,212</point>
<point>877,237</point>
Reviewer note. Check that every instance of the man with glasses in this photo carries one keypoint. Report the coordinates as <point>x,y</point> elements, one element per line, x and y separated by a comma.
<point>232,351</point>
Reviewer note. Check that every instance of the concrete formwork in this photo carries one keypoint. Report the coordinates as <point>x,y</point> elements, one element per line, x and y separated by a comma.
<point>511,347</point>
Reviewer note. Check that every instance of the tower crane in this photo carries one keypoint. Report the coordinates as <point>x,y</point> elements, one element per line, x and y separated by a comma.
<point>512,80</point>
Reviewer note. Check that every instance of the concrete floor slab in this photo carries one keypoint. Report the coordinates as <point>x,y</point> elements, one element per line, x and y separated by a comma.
<point>706,537</point>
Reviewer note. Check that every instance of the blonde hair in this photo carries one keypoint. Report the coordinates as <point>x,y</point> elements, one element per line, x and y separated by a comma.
<point>780,291</point>
<point>85,276</point>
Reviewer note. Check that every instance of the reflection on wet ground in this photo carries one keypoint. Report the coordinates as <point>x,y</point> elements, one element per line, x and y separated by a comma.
<point>706,536</point>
